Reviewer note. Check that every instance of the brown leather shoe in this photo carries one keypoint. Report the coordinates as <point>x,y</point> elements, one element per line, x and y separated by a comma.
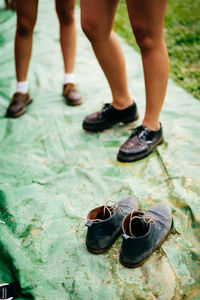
<point>71,94</point>
<point>18,105</point>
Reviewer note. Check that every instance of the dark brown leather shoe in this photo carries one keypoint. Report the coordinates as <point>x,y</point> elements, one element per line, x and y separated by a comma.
<point>18,105</point>
<point>71,94</point>
<point>109,116</point>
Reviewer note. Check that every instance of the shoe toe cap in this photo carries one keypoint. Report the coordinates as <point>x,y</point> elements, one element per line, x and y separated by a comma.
<point>14,108</point>
<point>129,204</point>
<point>128,149</point>
<point>163,214</point>
<point>92,118</point>
<point>74,96</point>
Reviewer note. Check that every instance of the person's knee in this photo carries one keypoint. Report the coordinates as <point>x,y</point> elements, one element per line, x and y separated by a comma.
<point>144,38</point>
<point>88,29</point>
<point>93,31</point>
<point>66,16</point>
<point>25,26</point>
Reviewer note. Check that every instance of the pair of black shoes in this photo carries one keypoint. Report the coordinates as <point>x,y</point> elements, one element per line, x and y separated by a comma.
<point>142,234</point>
<point>141,142</point>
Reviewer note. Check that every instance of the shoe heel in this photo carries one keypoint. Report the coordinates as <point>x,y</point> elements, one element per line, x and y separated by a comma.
<point>129,120</point>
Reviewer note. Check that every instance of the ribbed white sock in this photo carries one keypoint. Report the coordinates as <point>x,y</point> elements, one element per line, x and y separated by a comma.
<point>22,87</point>
<point>69,78</point>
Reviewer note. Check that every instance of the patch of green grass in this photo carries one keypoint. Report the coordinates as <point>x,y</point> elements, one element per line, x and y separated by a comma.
<point>182,35</point>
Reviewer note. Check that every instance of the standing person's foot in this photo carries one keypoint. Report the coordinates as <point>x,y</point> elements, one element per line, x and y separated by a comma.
<point>18,105</point>
<point>141,143</point>
<point>72,95</point>
<point>109,116</point>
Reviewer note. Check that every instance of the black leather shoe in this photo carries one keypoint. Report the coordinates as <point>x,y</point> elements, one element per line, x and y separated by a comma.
<point>144,233</point>
<point>109,116</point>
<point>72,95</point>
<point>105,224</point>
<point>18,105</point>
<point>141,143</point>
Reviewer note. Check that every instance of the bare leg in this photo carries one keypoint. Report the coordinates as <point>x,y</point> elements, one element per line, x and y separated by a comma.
<point>97,18</point>
<point>147,20</point>
<point>26,19</point>
<point>65,11</point>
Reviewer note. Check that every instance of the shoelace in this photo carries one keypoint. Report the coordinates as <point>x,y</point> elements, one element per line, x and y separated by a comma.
<point>113,207</point>
<point>146,218</point>
<point>141,132</point>
<point>107,108</point>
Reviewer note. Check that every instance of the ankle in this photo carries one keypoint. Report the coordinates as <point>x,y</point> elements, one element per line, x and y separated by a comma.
<point>154,126</point>
<point>120,105</point>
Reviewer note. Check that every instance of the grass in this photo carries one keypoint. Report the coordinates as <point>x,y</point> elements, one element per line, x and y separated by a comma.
<point>182,35</point>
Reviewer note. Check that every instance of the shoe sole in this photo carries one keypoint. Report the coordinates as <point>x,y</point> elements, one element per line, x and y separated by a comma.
<point>90,127</point>
<point>126,158</point>
<point>21,112</point>
<point>74,103</point>
<point>97,251</point>
<point>143,261</point>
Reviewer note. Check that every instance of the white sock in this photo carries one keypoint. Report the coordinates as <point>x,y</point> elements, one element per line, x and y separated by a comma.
<point>22,87</point>
<point>69,78</point>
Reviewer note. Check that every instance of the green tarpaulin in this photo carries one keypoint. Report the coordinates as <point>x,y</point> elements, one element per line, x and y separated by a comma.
<point>52,173</point>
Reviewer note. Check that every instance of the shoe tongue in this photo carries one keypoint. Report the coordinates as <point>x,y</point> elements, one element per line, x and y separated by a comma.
<point>140,128</point>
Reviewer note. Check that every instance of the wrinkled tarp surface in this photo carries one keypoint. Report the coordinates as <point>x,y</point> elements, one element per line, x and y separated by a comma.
<point>52,173</point>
